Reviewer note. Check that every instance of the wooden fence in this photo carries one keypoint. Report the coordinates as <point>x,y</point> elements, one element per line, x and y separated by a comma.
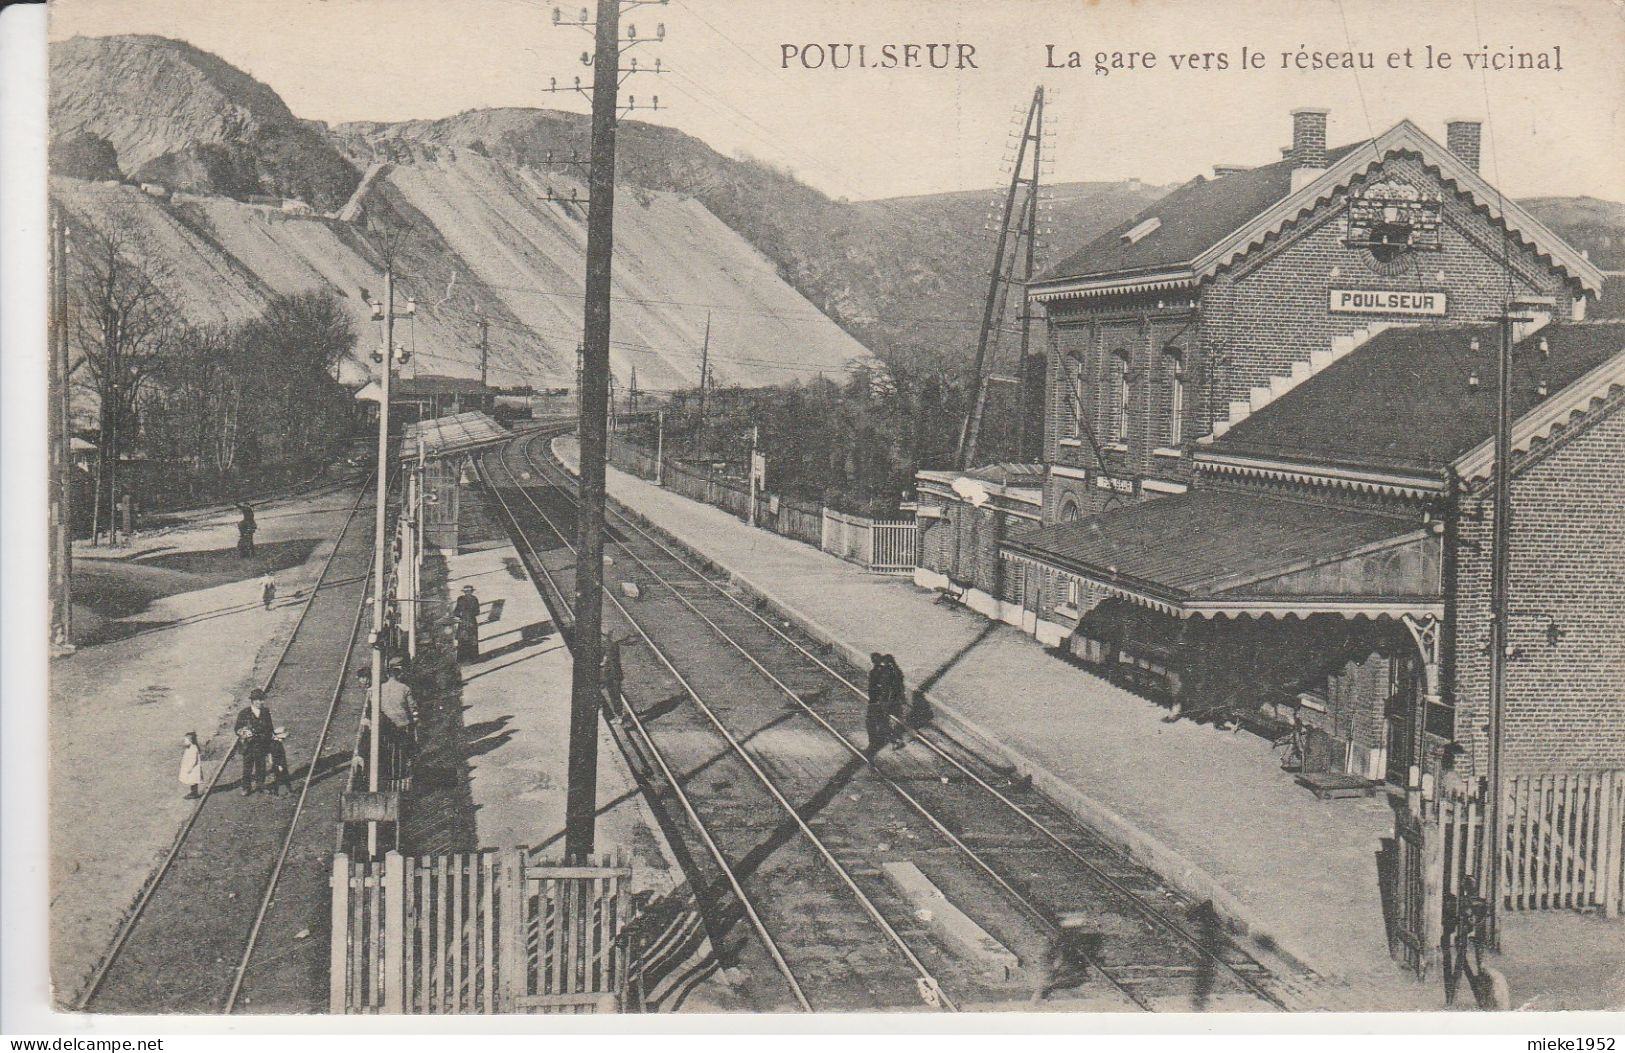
<point>888,546</point>
<point>1564,837</point>
<point>1562,846</point>
<point>478,932</point>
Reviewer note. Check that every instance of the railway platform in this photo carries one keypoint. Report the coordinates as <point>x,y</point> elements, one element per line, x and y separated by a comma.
<point>1209,810</point>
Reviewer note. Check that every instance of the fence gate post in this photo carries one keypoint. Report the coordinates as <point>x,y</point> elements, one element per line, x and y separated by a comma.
<point>1431,929</point>
<point>515,966</point>
<point>394,933</point>
<point>338,961</point>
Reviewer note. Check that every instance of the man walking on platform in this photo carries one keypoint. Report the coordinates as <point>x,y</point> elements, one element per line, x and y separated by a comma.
<point>467,612</point>
<point>877,719</point>
<point>254,734</point>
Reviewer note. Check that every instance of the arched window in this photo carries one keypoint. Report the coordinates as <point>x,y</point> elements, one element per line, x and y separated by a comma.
<point>1176,394</point>
<point>1072,391</point>
<point>1069,510</point>
<point>1122,394</point>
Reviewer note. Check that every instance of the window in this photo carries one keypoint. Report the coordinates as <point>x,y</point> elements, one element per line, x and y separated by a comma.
<point>1069,511</point>
<point>1072,374</point>
<point>1069,592</point>
<point>1122,393</point>
<point>1176,396</point>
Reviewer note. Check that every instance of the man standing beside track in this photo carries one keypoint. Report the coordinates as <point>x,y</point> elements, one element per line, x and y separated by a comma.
<point>878,718</point>
<point>896,701</point>
<point>254,732</point>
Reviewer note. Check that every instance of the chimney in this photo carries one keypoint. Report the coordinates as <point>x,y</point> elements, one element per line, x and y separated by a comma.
<point>1309,137</point>
<point>1462,138</point>
<point>1308,145</point>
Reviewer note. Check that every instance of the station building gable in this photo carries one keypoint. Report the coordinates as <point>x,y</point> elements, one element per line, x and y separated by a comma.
<point>1212,303</point>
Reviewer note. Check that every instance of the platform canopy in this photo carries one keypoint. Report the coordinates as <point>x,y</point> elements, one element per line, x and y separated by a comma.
<point>1228,554</point>
<point>459,431</point>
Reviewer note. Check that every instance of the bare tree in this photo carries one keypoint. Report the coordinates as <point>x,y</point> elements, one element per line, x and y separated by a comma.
<point>119,323</point>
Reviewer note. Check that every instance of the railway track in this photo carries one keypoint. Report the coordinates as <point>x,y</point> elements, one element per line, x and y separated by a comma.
<point>1002,850</point>
<point>833,946</point>
<point>192,935</point>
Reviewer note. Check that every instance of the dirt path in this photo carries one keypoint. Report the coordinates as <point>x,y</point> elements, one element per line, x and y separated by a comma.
<point>183,636</point>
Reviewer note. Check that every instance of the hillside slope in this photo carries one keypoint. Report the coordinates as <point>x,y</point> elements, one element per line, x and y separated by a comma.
<point>482,243</point>
<point>183,117</point>
<point>906,276</point>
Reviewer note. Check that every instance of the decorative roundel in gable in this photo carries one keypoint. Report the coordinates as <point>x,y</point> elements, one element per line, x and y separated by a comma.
<point>1388,260</point>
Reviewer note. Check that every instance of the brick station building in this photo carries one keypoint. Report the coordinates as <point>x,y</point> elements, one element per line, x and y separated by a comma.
<point>1331,558</point>
<point>1270,398</point>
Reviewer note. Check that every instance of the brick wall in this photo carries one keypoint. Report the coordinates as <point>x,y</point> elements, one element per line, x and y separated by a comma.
<point>1257,318</point>
<point>1565,703</point>
<point>1270,309</point>
<point>964,543</point>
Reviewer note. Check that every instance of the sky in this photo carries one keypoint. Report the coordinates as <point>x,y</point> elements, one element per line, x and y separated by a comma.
<point>877,132</point>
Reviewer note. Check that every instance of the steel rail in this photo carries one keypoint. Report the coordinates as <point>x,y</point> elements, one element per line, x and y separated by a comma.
<point>299,806</point>
<point>136,913</point>
<point>1135,902</point>
<point>767,782</point>
<point>1035,912</point>
<point>671,779</point>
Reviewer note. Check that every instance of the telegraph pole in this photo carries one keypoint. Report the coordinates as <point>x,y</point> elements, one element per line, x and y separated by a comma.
<point>581,799</point>
<point>754,436</point>
<point>1500,638</point>
<point>592,395</point>
<point>380,540</point>
<point>485,349</point>
<point>705,378</point>
<point>60,443</point>
<point>660,447</point>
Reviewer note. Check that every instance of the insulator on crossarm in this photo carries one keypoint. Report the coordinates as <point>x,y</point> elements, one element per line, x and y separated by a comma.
<point>660,31</point>
<point>586,58</point>
<point>631,32</point>
<point>558,16</point>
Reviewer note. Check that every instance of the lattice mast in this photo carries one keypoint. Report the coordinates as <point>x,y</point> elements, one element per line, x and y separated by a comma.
<point>1014,259</point>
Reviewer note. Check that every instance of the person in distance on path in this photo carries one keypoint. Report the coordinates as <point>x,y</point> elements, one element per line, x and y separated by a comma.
<point>191,773</point>
<point>245,531</point>
<point>277,752</point>
<point>878,719</point>
<point>254,734</point>
<point>267,591</point>
<point>613,677</point>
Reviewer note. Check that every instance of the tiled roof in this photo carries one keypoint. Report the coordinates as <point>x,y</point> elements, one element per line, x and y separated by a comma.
<point>1202,543</point>
<point>1195,217</point>
<point>1403,400</point>
<point>1009,473</point>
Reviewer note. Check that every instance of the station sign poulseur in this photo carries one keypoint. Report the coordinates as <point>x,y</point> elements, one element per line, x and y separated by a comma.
<point>1386,301</point>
